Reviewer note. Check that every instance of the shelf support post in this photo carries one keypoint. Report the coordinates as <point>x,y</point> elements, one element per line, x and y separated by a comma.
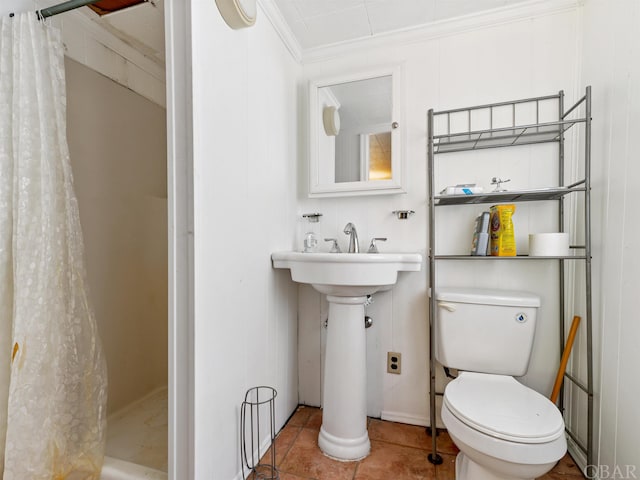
<point>433,457</point>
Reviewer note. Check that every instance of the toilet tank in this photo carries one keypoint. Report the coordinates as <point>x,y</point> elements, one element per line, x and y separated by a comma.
<point>489,331</point>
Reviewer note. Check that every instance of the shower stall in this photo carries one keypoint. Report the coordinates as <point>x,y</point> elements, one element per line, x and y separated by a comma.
<point>93,158</point>
<point>117,142</point>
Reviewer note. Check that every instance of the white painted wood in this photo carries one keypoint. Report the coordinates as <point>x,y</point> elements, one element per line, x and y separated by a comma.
<point>611,65</point>
<point>277,18</point>
<point>180,239</point>
<point>310,326</point>
<point>245,115</point>
<point>322,23</point>
<point>481,65</point>
<point>449,26</point>
<point>95,46</point>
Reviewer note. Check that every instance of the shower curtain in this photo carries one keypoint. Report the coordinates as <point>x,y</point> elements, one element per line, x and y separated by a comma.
<point>52,371</point>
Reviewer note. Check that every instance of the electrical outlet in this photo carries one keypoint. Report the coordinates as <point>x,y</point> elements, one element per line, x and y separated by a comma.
<point>394,362</point>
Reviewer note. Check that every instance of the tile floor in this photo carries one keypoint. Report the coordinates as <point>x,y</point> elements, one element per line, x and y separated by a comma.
<point>398,452</point>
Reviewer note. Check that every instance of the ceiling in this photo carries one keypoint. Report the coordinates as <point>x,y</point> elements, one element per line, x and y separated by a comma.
<point>314,23</point>
<point>318,23</point>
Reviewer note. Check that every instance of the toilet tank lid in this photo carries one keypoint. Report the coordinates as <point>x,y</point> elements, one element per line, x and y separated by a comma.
<point>485,296</point>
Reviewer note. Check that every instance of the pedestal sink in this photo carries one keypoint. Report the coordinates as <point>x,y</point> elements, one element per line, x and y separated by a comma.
<point>346,279</point>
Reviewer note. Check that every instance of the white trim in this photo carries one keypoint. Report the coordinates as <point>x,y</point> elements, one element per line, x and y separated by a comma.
<point>180,236</point>
<point>475,21</point>
<point>576,453</point>
<point>116,469</point>
<point>364,156</point>
<point>282,28</point>
<point>264,445</point>
<point>404,418</point>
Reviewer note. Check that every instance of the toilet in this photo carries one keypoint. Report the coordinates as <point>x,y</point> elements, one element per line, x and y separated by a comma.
<point>504,430</point>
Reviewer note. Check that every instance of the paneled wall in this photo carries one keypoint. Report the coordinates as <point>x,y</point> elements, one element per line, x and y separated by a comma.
<point>245,123</point>
<point>611,63</point>
<point>538,55</point>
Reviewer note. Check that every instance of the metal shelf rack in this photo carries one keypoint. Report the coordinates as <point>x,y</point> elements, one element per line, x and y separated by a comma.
<point>510,136</point>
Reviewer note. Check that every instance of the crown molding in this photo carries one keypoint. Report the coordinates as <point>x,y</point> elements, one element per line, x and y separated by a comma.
<point>421,33</point>
<point>282,28</point>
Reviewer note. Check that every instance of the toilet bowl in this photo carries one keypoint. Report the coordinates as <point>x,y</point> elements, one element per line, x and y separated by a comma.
<point>504,430</point>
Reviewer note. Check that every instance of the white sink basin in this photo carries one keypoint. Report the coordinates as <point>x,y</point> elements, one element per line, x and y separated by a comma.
<point>346,279</point>
<point>347,274</point>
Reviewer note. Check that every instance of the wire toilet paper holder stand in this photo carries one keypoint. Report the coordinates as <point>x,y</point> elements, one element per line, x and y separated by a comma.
<point>257,399</point>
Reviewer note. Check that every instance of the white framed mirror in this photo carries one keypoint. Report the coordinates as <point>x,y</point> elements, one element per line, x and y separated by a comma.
<point>356,134</point>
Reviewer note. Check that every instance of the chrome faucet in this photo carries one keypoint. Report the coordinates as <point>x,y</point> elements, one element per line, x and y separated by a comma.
<point>350,229</point>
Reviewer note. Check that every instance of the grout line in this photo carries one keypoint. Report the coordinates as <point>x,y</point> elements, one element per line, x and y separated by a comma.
<point>290,446</point>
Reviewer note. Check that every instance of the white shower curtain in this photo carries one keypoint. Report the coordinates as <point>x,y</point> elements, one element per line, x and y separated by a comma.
<point>52,371</point>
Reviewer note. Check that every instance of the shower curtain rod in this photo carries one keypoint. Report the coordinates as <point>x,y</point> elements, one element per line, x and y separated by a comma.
<point>64,7</point>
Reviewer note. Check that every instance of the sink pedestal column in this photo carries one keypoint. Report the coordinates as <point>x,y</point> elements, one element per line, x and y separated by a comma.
<point>344,420</point>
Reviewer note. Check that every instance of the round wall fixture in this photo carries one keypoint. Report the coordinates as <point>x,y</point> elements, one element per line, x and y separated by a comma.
<point>238,13</point>
<point>331,121</point>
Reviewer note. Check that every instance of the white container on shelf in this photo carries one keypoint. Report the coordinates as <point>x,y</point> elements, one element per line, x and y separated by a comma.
<point>549,244</point>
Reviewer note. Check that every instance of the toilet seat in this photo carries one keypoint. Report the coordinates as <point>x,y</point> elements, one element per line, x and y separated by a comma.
<point>503,408</point>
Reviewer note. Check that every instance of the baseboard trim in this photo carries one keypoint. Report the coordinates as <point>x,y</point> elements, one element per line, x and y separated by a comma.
<point>401,417</point>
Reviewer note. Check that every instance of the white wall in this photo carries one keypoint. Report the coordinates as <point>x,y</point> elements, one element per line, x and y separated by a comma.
<point>245,123</point>
<point>117,141</point>
<point>470,66</point>
<point>611,63</point>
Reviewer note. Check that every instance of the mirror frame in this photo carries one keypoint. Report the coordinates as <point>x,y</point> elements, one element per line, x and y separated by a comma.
<point>397,184</point>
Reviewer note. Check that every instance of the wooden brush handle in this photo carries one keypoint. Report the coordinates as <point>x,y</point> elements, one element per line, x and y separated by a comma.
<point>565,358</point>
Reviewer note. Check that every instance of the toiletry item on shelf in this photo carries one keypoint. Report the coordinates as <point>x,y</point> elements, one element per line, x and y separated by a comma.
<point>310,242</point>
<point>503,239</point>
<point>462,189</point>
<point>549,244</point>
<point>480,242</point>
<point>497,181</point>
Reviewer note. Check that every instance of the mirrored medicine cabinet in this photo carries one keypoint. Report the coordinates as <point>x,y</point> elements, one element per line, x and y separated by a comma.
<point>356,134</point>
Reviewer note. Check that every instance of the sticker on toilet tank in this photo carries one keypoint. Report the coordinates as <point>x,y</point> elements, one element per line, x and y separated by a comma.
<point>521,317</point>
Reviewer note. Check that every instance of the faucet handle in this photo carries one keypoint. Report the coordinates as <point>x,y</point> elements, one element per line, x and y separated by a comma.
<point>373,248</point>
<point>335,248</point>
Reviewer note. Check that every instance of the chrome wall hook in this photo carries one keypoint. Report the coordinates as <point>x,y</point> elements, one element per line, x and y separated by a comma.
<point>403,214</point>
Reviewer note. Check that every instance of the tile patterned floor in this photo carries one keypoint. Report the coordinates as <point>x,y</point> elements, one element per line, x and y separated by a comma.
<point>398,452</point>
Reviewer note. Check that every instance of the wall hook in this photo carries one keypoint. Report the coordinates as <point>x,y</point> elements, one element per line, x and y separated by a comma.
<point>312,217</point>
<point>403,214</point>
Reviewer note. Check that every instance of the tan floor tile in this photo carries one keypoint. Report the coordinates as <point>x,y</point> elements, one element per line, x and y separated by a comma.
<point>291,476</point>
<point>305,459</point>
<point>263,473</point>
<point>399,433</point>
<point>315,420</point>
<point>284,441</point>
<point>553,475</point>
<point>447,469</point>
<point>445,444</point>
<point>302,415</point>
<point>566,466</point>
<point>405,463</point>
<point>399,452</point>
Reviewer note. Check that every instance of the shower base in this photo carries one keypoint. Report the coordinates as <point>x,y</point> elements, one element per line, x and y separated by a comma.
<point>137,440</point>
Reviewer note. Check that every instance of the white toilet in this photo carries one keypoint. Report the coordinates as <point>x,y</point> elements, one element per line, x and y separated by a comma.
<point>504,430</point>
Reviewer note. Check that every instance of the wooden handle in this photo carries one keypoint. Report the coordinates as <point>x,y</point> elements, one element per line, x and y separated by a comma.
<point>565,358</point>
